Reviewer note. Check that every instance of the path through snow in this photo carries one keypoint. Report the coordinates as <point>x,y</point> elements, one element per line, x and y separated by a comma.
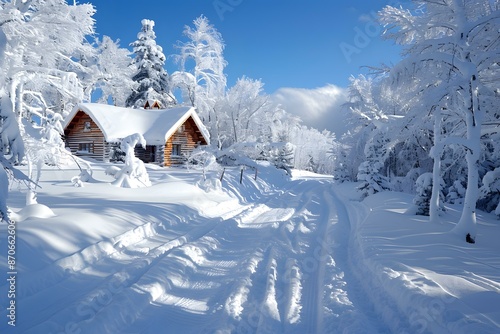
<point>275,263</point>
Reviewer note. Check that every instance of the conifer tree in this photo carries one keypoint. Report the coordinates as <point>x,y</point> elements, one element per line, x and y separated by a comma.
<point>424,193</point>
<point>370,171</point>
<point>151,77</point>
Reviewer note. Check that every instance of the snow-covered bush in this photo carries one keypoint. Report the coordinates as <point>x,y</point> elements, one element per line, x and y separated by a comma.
<point>280,155</point>
<point>202,158</point>
<point>212,184</point>
<point>489,193</point>
<point>77,182</point>
<point>133,174</point>
<point>241,154</point>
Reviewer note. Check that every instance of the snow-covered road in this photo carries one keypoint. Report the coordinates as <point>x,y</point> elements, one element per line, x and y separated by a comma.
<point>270,255</point>
<point>276,262</point>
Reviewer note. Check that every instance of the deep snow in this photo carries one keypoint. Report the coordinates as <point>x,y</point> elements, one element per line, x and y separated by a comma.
<point>272,255</point>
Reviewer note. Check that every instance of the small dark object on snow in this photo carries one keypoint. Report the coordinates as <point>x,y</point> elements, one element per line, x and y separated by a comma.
<point>469,239</point>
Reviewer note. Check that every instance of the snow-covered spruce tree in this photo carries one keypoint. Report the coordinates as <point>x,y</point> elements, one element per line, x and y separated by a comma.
<point>423,196</point>
<point>341,172</point>
<point>370,172</point>
<point>153,82</point>
<point>205,82</point>
<point>367,118</point>
<point>283,157</point>
<point>451,50</point>
<point>367,139</point>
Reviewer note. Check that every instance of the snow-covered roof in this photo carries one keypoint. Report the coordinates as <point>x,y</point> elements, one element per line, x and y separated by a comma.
<point>156,125</point>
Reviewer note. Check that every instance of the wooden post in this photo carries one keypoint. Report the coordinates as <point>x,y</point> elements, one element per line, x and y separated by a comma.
<point>241,175</point>
<point>256,171</point>
<point>222,175</point>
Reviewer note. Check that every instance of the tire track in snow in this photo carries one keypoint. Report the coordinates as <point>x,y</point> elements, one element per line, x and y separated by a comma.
<point>313,265</point>
<point>100,294</point>
<point>170,280</point>
<point>277,300</point>
<point>362,316</point>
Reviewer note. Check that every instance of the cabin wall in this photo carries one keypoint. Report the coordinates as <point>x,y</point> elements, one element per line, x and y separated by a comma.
<point>188,137</point>
<point>84,138</point>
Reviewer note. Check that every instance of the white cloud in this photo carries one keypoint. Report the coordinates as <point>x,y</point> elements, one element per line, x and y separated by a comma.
<point>318,108</point>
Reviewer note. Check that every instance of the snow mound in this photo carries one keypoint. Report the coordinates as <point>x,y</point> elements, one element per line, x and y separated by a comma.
<point>209,185</point>
<point>32,211</point>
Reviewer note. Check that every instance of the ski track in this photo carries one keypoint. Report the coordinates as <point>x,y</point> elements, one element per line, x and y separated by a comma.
<point>288,276</point>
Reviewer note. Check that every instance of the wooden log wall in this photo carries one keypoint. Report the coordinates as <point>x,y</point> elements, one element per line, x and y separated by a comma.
<point>78,132</point>
<point>189,137</point>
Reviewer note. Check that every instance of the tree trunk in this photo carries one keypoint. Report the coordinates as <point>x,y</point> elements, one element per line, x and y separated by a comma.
<point>467,223</point>
<point>436,169</point>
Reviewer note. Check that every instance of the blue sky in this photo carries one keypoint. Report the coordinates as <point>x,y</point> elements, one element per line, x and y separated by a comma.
<point>285,43</point>
<point>306,45</point>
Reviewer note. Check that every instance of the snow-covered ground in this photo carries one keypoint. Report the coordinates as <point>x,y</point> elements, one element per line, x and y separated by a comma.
<point>272,255</point>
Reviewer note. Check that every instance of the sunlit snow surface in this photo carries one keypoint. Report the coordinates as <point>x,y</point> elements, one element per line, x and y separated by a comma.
<point>272,255</point>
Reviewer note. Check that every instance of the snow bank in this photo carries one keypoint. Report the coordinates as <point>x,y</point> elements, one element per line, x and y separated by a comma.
<point>420,277</point>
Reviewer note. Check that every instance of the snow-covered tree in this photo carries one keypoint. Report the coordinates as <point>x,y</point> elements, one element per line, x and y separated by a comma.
<point>370,172</point>
<point>282,157</point>
<point>45,44</point>
<point>341,171</point>
<point>153,82</point>
<point>314,149</point>
<point>206,85</point>
<point>424,193</point>
<point>186,82</point>
<point>115,79</point>
<point>41,47</point>
<point>244,112</point>
<point>452,51</point>
<point>365,116</point>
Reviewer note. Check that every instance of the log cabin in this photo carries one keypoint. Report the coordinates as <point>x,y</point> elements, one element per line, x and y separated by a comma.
<point>95,130</point>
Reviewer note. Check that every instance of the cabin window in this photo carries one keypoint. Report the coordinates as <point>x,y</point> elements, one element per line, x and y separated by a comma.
<point>181,129</point>
<point>86,127</point>
<point>85,148</point>
<point>176,149</point>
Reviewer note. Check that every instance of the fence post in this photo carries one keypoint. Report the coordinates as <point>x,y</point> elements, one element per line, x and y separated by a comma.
<point>241,174</point>
<point>256,171</point>
<point>222,175</point>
